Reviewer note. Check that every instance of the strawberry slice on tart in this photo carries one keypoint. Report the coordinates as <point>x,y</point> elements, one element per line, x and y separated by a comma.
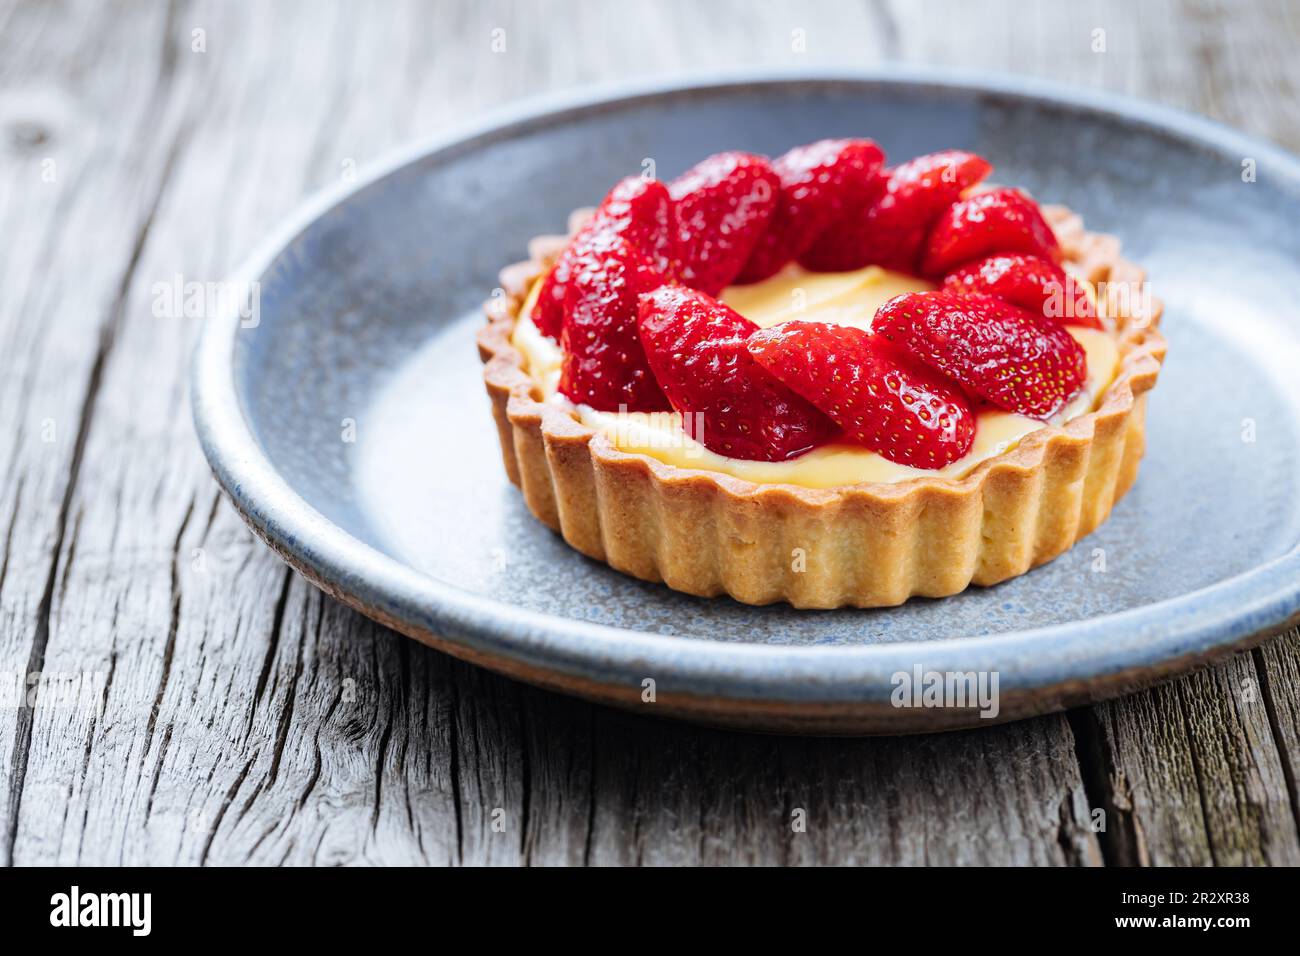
<point>999,220</point>
<point>881,397</point>
<point>1017,360</point>
<point>604,365</point>
<point>892,230</point>
<point>821,183</point>
<point>638,209</point>
<point>697,349</point>
<point>1031,282</point>
<point>721,208</point>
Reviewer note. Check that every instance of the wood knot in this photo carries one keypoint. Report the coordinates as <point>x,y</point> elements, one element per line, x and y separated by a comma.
<point>27,134</point>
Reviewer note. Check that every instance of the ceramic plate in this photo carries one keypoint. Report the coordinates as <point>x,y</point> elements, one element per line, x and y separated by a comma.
<point>349,423</point>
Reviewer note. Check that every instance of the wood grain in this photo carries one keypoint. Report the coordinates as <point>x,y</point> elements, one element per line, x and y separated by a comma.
<point>241,716</point>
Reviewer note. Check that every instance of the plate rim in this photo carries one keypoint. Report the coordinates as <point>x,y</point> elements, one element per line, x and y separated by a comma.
<point>1205,622</point>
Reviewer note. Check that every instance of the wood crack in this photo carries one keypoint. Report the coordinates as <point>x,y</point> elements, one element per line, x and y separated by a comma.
<point>173,627</point>
<point>272,648</point>
<point>1118,842</point>
<point>525,772</point>
<point>9,533</point>
<point>290,698</point>
<point>385,738</point>
<point>225,805</point>
<point>591,789</point>
<point>156,776</point>
<point>453,748</point>
<point>318,763</point>
<point>212,517</point>
<point>1275,729</point>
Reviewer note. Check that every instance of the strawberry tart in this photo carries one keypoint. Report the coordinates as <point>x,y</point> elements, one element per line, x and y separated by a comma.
<point>822,379</point>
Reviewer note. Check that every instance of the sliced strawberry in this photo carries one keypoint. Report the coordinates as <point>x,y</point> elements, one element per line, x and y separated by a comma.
<point>1019,361</point>
<point>1030,282</point>
<point>696,346</point>
<point>881,397</point>
<point>722,206</point>
<point>820,184</point>
<point>1000,220</point>
<point>639,209</point>
<point>604,364</point>
<point>892,231</point>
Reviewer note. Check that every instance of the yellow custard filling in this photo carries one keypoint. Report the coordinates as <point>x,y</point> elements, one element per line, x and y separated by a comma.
<point>845,298</point>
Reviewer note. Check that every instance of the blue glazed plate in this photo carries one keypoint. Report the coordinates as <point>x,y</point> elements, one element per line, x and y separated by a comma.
<point>350,427</point>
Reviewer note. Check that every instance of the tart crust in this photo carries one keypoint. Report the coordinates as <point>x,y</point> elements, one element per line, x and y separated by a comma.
<point>863,545</point>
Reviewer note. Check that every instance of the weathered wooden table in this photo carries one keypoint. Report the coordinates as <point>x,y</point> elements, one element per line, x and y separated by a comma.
<point>236,715</point>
